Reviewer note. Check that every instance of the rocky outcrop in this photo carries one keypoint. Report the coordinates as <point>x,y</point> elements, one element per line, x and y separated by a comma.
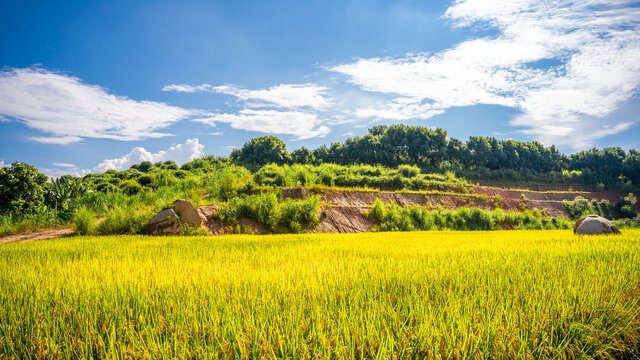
<point>164,223</point>
<point>594,225</point>
<point>188,214</point>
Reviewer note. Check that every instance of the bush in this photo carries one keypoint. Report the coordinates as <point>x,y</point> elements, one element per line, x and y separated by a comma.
<point>408,171</point>
<point>170,165</point>
<point>627,207</point>
<point>180,174</point>
<point>83,221</point>
<point>397,218</point>
<point>497,201</point>
<point>192,231</point>
<point>580,206</point>
<point>297,215</point>
<point>130,187</point>
<point>123,221</point>
<point>146,180</point>
<point>270,211</point>
<point>358,176</point>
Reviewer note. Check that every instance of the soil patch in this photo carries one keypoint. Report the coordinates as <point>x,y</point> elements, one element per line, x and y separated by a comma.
<point>37,234</point>
<point>343,219</point>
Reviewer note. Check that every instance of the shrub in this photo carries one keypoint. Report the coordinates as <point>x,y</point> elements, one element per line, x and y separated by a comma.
<point>123,221</point>
<point>270,211</point>
<point>359,176</point>
<point>497,201</point>
<point>396,218</point>
<point>297,215</point>
<point>193,231</point>
<point>180,174</point>
<point>170,165</point>
<point>130,187</point>
<point>626,207</point>
<point>408,171</point>
<point>581,206</point>
<point>145,180</point>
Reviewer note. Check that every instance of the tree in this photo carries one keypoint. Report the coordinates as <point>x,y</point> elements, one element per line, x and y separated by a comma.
<point>21,189</point>
<point>170,165</point>
<point>631,167</point>
<point>302,156</point>
<point>480,149</point>
<point>145,166</point>
<point>261,151</point>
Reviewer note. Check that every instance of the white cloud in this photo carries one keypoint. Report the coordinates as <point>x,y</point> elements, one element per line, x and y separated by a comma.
<point>62,140</point>
<point>187,88</point>
<point>565,64</point>
<point>288,109</point>
<point>71,110</point>
<point>289,96</point>
<point>67,165</point>
<point>302,125</point>
<point>180,154</point>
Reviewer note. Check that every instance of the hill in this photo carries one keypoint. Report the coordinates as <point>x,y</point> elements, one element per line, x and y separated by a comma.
<point>427,175</point>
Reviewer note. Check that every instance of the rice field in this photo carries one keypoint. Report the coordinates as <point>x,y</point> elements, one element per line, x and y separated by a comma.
<point>426,295</point>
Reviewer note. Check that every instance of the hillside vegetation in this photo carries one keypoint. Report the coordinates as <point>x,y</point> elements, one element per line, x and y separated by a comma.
<point>399,158</point>
<point>516,294</point>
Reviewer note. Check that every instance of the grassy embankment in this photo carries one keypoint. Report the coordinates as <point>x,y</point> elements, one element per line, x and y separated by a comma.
<point>505,294</point>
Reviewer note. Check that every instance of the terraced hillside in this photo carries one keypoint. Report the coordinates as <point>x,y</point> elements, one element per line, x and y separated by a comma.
<point>344,210</point>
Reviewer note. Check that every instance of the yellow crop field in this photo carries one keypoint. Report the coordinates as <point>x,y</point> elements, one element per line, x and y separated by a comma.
<point>442,295</point>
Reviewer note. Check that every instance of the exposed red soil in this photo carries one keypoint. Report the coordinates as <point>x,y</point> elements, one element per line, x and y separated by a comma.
<point>343,219</point>
<point>514,200</point>
<point>37,234</point>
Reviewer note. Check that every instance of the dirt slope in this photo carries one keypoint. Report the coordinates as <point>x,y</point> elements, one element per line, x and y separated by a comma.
<point>345,208</point>
<point>343,219</point>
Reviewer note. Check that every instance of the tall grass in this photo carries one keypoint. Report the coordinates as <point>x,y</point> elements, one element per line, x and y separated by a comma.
<point>467,295</point>
<point>271,211</point>
<point>397,218</point>
<point>83,221</point>
<point>45,217</point>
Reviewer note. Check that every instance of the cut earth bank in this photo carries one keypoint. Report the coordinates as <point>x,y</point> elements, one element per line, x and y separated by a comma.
<point>343,211</point>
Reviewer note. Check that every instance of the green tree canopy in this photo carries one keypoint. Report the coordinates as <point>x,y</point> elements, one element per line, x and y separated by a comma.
<point>21,189</point>
<point>261,151</point>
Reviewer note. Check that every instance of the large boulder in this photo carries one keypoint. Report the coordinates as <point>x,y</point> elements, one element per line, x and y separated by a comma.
<point>594,225</point>
<point>164,223</point>
<point>187,213</point>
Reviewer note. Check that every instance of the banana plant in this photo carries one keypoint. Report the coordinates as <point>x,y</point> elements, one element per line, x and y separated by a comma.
<point>64,189</point>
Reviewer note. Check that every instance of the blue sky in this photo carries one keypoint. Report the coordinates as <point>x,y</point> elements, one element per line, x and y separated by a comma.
<point>88,86</point>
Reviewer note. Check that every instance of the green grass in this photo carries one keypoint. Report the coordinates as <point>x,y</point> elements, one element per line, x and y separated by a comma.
<point>501,294</point>
<point>393,217</point>
<point>357,176</point>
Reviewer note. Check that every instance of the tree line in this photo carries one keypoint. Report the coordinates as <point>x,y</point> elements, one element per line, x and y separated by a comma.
<point>434,151</point>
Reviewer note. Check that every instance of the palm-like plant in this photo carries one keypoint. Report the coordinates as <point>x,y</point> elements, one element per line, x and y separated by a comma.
<point>62,190</point>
